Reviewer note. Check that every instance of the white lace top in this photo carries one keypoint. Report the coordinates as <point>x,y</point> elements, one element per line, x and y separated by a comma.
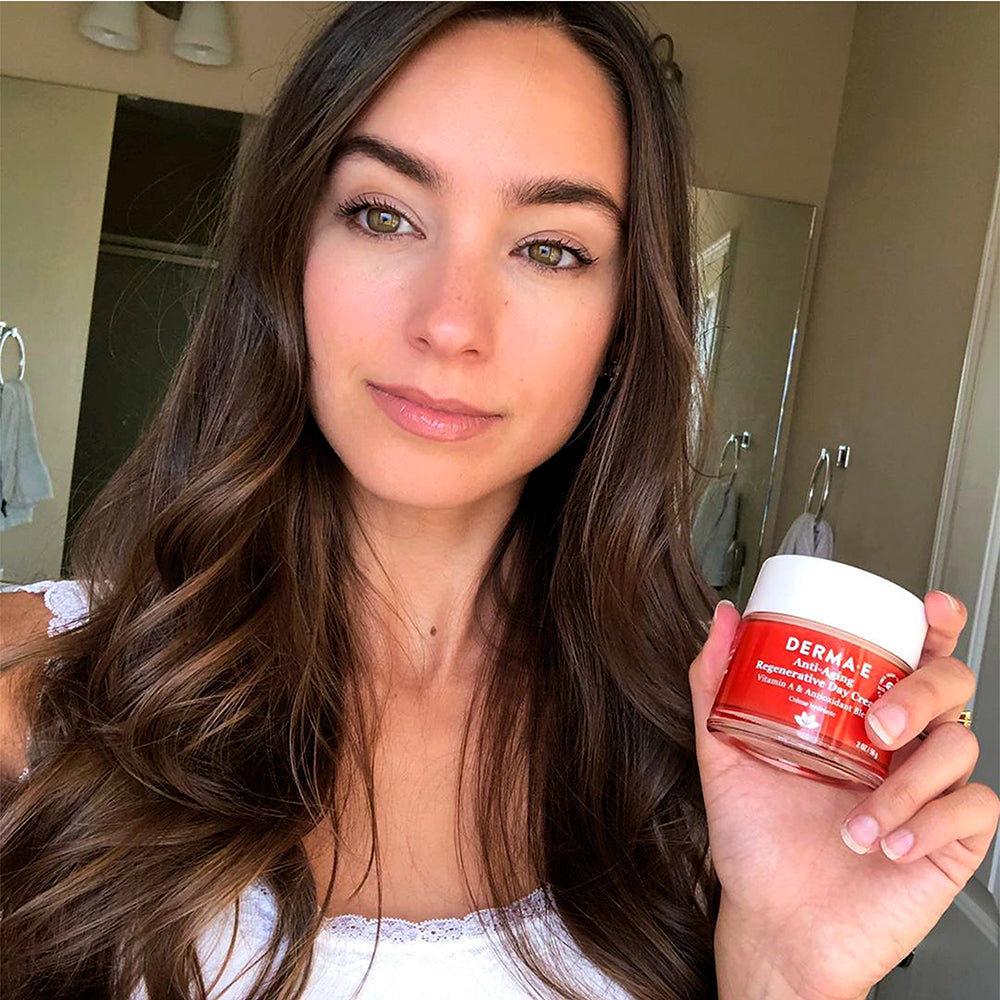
<point>442,959</point>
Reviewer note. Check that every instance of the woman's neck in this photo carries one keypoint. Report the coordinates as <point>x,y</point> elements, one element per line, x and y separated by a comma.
<point>423,569</point>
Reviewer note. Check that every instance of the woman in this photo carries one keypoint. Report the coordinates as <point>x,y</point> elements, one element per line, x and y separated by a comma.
<point>400,576</point>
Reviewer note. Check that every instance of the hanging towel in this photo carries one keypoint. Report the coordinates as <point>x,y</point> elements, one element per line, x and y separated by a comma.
<point>715,530</point>
<point>24,479</point>
<point>808,537</point>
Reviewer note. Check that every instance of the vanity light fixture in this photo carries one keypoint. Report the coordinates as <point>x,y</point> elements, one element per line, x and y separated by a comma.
<point>202,35</point>
<point>115,25</point>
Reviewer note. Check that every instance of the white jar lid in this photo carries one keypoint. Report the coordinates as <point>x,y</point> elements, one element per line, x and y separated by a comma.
<point>842,597</point>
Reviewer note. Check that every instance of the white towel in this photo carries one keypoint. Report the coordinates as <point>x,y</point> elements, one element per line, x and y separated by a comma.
<point>24,479</point>
<point>714,531</point>
<point>808,537</point>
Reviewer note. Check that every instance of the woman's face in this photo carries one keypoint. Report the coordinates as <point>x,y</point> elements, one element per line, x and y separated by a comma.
<point>453,285</point>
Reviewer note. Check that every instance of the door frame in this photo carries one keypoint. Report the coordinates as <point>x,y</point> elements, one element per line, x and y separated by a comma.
<point>980,906</point>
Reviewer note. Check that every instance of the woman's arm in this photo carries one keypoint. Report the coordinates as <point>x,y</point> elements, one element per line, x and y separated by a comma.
<point>744,967</point>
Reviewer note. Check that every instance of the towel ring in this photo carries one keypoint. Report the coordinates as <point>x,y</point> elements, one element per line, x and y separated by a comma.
<point>731,440</point>
<point>12,332</point>
<point>824,459</point>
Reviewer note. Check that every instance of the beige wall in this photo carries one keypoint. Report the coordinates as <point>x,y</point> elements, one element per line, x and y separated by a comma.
<point>54,148</point>
<point>898,262</point>
<point>763,84</point>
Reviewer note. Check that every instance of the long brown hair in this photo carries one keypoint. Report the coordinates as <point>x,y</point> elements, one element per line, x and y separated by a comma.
<point>187,736</point>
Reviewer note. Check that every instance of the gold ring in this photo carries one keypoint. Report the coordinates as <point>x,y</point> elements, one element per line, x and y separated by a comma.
<point>965,718</point>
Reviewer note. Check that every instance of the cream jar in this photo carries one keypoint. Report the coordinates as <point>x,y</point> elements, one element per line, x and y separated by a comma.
<point>818,643</point>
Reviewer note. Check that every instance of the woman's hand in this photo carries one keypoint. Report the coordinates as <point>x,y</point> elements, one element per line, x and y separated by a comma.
<point>801,911</point>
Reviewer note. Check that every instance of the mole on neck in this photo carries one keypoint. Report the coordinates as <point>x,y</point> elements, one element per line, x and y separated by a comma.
<point>434,630</point>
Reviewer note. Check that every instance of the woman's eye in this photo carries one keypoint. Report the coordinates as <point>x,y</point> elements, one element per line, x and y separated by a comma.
<point>554,255</point>
<point>550,255</point>
<point>382,221</point>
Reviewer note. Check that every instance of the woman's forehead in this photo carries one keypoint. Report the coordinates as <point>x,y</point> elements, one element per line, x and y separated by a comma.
<point>514,100</point>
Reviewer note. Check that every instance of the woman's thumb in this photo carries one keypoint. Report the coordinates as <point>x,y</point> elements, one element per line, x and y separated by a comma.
<point>709,666</point>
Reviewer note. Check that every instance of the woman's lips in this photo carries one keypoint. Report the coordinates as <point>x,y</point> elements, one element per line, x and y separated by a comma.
<point>437,425</point>
<point>421,398</point>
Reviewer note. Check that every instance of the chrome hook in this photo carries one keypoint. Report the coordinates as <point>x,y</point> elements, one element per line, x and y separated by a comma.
<point>824,459</point>
<point>738,441</point>
<point>12,332</point>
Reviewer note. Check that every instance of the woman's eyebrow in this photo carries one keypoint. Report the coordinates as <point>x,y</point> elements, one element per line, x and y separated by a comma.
<point>531,191</point>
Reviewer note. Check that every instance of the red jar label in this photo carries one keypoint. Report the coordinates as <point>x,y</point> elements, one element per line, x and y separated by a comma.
<point>810,680</point>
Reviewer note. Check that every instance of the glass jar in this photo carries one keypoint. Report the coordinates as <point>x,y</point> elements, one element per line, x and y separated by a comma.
<point>819,641</point>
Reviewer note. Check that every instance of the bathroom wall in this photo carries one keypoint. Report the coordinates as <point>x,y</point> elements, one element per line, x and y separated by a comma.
<point>54,148</point>
<point>898,261</point>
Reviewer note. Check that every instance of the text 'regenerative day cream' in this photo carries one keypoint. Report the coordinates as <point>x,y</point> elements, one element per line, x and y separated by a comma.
<point>818,642</point>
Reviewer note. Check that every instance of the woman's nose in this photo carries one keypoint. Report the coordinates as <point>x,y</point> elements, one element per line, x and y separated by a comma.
<point>454,312</point>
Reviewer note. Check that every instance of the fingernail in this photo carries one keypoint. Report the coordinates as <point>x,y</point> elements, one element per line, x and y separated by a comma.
<point>951,600</point>
<point>887,723</point>
<point>859,833</point>
<point>897,844</point>
<point>716,613</point>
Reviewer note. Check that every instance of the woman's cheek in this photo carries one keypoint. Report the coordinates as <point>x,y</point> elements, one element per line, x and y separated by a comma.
<point>344,309</point>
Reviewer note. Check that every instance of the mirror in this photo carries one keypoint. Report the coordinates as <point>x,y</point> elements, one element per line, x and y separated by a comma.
<point>752,256</point>
<point>166,177</point>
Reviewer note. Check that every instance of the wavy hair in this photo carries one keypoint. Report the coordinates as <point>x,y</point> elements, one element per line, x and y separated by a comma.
<point>188,734</point>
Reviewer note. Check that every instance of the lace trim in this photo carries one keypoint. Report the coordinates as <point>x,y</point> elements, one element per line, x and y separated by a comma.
<point>353,927</point>
<point>66,599</point>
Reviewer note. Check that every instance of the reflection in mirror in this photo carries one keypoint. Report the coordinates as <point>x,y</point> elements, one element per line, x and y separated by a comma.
<point>165,189</point>
<point>752,256</point>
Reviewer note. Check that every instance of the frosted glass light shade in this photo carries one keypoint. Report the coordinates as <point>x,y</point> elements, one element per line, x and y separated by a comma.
<point>202,36</point>
<point>114,24</point>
